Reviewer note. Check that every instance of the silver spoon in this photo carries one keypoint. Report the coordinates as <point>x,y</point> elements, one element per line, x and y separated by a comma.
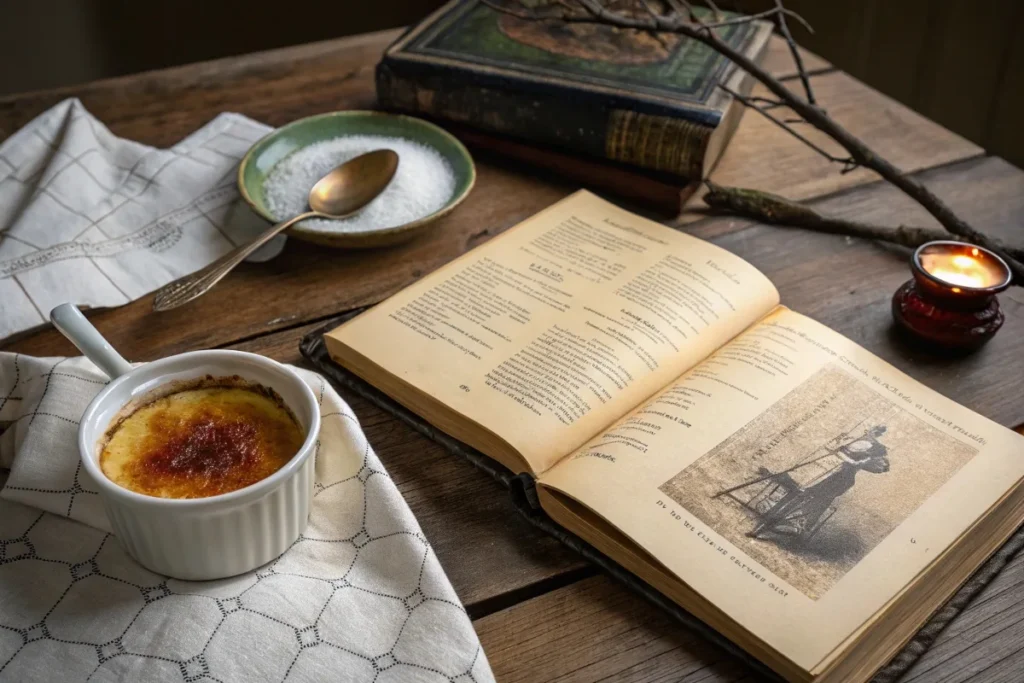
<point>339,194</point>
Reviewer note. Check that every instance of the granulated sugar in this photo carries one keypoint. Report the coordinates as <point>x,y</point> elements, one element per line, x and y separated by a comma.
<point>423,183</point>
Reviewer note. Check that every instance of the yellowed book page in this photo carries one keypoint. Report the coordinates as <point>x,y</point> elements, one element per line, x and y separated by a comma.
<point>548,333</point>
<point>795,480</point>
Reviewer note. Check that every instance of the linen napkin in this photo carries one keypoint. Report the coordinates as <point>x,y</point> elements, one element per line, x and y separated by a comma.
<point>359,597</point>
<point>94,219</point>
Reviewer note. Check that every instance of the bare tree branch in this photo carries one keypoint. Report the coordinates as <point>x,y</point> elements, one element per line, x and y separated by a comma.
<point>770,208</point>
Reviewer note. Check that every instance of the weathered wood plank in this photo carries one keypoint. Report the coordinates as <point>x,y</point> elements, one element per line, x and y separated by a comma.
<point>778,60</point>
<point>595,630</point>
<point>161,107</point>
<point>308,282</point>
<point>491,554</point>
<point>984,642</point>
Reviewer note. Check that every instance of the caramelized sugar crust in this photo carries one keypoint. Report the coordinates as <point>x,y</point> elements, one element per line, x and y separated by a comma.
<point>201,442</point>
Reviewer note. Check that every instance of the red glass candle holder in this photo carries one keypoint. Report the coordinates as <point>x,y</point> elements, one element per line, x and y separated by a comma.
<point>951,301</point>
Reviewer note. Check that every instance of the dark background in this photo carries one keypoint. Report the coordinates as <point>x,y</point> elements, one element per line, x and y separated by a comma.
<point>956,61</point>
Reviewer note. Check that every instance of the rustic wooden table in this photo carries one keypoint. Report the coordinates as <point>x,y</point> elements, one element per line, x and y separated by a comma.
<point>542,613</point>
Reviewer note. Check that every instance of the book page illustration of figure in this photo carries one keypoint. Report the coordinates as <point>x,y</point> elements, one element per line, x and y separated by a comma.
<point>813,484</point>
<point>797,502</point>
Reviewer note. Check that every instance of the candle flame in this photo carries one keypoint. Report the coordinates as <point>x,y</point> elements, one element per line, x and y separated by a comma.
<point>961,270</point>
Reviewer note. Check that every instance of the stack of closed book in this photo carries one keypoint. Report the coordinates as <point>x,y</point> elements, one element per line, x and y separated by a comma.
<point>619,109</point>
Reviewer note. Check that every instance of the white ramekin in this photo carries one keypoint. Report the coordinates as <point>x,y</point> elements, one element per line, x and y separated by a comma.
<point>218,536</point>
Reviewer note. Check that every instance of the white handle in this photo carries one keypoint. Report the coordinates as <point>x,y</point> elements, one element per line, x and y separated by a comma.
<point>73,325</point>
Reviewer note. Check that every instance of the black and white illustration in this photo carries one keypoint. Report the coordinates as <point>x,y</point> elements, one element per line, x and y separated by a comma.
<point>813,484</point>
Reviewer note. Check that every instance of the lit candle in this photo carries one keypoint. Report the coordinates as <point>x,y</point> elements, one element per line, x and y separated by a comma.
<point>951,300</point>
<point>967,268</point>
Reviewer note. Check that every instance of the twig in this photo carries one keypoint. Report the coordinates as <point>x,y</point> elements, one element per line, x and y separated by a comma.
<point>650,9</point>
<point>532,14</point>
<point>765,103</point>
<point>795,51</point>
<point>595,13</point>
<point>779,13</point>
<point>771,208</point>
<point>683,7</point>
<point>657,35</point>
<point>848,163</point>
<point>714,8</point>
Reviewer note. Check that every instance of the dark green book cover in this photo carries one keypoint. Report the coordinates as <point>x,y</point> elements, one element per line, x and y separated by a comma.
<point>645,99</point>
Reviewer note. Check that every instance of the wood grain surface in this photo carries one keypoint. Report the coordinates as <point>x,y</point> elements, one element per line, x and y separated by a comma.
<point>596,630</point>
<point>542,613</point>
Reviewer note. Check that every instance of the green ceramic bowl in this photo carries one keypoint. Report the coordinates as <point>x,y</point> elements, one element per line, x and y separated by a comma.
<point>259,160</point>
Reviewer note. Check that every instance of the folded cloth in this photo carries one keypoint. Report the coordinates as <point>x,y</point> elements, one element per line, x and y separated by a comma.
<point>360,596</point>
<point>97,220</point>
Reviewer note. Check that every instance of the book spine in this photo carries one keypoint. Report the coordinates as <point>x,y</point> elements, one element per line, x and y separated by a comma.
<point>656,142</point>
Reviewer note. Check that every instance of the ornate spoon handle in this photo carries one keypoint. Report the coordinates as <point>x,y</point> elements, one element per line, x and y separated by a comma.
<point>194,285</point>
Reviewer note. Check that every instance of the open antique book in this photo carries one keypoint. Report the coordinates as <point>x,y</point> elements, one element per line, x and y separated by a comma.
<point>798,494</point>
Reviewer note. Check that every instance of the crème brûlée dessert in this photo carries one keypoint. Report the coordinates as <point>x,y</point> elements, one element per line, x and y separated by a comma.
<point>201,441</point>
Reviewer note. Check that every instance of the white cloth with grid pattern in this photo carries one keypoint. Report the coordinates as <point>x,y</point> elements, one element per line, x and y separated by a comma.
<point>100,221</point>
<point>359,597</point>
